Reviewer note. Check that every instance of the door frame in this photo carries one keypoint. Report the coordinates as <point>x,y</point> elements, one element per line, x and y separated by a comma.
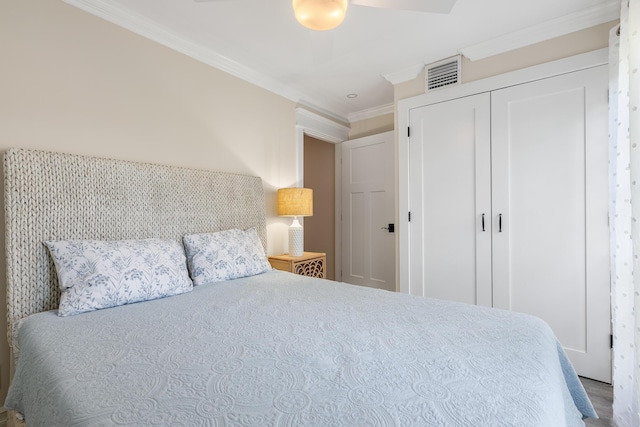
<point>316,126</point>
<point>549,69</point>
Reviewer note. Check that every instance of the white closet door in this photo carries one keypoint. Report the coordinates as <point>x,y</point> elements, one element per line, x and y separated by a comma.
<point>449,192</point>
<point>549,151</point>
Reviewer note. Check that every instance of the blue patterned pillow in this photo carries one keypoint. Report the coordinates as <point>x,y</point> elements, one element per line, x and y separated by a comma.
<point>225,255</point>
<point>99,274</point>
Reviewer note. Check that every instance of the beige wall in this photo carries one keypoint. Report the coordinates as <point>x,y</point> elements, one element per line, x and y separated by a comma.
<point>561,47</point>
<point>371,126</point>
<point>74,83</point>
<point>571,44</point>
<point>319,174</point>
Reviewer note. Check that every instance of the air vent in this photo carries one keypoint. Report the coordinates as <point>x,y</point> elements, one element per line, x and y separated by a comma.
<point>443,73</point>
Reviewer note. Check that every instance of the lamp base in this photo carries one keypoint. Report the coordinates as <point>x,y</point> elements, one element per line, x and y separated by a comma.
<point>296,239</point>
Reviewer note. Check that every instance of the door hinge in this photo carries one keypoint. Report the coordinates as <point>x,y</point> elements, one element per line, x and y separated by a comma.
<point>408,131</point>
<point>409,216</point>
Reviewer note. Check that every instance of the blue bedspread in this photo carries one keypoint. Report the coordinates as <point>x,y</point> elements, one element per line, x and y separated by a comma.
<point>285,350</point>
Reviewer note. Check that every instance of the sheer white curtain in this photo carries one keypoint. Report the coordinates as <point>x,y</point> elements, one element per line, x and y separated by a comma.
<point>624,168</point>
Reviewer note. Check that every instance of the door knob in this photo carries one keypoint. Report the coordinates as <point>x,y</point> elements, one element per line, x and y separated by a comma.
<point>390,228</point>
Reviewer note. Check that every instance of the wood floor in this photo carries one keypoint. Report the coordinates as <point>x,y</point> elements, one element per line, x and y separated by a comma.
<point>601,396</point>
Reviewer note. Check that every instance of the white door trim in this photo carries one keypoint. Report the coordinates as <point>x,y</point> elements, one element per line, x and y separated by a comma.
<point>308,123</point>
<point>312,124</point>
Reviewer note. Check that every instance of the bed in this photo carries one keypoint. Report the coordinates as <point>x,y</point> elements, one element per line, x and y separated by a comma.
<point>265,348</point>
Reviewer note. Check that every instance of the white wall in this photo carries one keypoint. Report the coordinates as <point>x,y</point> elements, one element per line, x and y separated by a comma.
<point>74,83</point>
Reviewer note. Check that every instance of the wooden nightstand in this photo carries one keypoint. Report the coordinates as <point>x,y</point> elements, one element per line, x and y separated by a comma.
<point>313,264</point>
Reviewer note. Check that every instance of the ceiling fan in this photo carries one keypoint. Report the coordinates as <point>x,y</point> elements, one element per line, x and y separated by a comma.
<point>321,15</point>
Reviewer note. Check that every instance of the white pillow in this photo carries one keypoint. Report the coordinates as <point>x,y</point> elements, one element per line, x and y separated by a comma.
<point>99,274</point>
<point>225,255</point>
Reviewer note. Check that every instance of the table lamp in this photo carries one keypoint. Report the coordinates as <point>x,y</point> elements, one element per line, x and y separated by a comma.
<point>295,202</point>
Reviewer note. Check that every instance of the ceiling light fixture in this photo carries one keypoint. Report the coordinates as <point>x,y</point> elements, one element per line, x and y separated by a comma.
<point>352,95</point>
<point>320,15</point>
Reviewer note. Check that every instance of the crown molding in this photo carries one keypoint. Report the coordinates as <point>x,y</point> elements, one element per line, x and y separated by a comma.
<point>553,28</point>
<point>144,27</point>
<point>528,36</point>
<point>319,127</point>
<point>138,24</point>
<point>371,112</point>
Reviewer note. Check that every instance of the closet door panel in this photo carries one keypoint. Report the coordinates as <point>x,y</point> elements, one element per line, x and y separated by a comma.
<point>550,258</point>
<point>449,192</point>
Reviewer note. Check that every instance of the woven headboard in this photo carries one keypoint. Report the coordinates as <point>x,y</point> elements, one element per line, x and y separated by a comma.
<point>62,196</point>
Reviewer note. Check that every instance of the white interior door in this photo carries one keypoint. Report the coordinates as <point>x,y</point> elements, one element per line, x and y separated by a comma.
<point>450,200</point>
<point>551,257</point>
<point>368,200</point>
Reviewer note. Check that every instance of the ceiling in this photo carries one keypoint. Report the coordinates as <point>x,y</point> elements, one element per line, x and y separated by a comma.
<point>261,42</point>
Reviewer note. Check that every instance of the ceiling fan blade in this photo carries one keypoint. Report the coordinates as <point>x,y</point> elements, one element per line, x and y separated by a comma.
<point>432,6</point>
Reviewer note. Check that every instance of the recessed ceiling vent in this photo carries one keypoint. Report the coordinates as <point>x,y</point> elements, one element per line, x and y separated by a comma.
<point>444,73</point>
